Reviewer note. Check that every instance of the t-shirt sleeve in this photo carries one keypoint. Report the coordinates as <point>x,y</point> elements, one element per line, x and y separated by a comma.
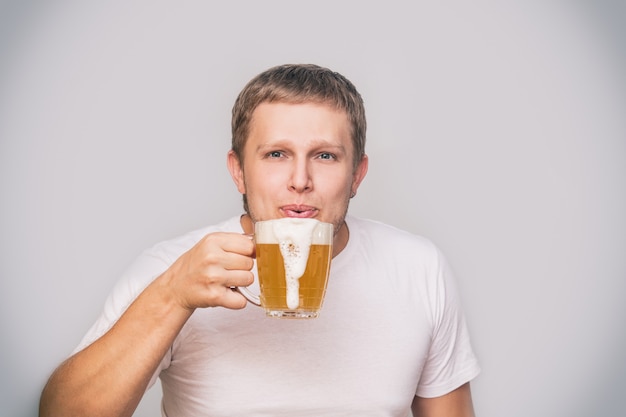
<point>451,361</point>
<point>137,277</point>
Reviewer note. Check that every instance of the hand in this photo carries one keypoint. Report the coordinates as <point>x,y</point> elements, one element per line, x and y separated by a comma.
<point>204,275</point>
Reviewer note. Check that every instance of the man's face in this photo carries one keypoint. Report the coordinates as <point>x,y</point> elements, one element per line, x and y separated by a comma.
<point>298,162</point>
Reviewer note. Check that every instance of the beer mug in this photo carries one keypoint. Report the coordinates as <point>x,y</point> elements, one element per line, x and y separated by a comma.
<point>293,263</point>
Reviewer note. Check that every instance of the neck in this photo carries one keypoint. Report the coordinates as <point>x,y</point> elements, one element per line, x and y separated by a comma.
<point>341,239</point>
<point>247,224</point>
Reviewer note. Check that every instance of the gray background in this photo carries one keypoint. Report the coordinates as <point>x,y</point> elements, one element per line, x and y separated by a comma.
<point>498,131</point>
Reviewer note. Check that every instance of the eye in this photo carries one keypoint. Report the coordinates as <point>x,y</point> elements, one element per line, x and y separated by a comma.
<point>274,154</point>
<point>327,156</point>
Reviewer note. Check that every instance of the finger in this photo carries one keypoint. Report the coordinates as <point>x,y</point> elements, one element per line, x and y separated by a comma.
<point>234,261</point>
<point>238,243</point>
<point>232,299</point>
<point>238,279</point>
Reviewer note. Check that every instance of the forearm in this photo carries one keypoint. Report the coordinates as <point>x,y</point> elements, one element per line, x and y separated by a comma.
<point>109,377</point>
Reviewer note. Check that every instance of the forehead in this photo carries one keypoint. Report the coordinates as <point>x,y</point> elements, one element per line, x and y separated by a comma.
<point>301,121</point>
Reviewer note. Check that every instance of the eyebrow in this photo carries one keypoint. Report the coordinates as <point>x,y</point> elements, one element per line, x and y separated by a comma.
<point>315,143</point>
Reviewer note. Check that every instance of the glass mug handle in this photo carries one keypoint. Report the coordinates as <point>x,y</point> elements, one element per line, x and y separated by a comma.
<point>254,299</point>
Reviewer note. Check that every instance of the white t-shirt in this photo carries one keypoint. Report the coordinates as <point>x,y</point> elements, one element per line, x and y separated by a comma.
<point>390,328</point>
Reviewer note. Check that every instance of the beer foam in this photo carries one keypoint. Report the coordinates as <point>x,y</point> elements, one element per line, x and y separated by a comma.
<point>294,239</point>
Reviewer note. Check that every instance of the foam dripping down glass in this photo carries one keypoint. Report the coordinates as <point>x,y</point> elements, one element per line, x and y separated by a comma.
<point>293,259</point>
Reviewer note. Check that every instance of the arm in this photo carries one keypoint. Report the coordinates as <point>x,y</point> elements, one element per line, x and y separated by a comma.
<point>109,377</point>
<point>457,403</point>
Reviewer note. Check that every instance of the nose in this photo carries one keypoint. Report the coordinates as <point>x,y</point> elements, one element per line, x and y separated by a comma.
<point>300,180</point>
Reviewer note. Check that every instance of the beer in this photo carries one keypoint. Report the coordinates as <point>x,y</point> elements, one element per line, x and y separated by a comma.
<point>273,281</point>
<point>293,262</point>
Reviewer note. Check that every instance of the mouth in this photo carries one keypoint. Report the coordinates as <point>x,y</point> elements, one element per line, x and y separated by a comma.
<point>298,211</point>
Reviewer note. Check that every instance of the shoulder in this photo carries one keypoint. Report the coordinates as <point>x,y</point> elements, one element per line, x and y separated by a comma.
<point>155,260</point>
<point>146,267</point>
<point>171,249</point>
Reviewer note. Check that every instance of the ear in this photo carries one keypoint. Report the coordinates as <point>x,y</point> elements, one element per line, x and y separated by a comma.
<point>359,174</point>
<point>236,171</point>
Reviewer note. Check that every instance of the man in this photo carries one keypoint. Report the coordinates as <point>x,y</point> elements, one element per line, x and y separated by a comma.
<point>390,338</point>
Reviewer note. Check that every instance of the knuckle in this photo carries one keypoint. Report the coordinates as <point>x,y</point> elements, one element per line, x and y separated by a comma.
<point>213,296</point>
<point>211,258</point>
<point>213,276</point>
